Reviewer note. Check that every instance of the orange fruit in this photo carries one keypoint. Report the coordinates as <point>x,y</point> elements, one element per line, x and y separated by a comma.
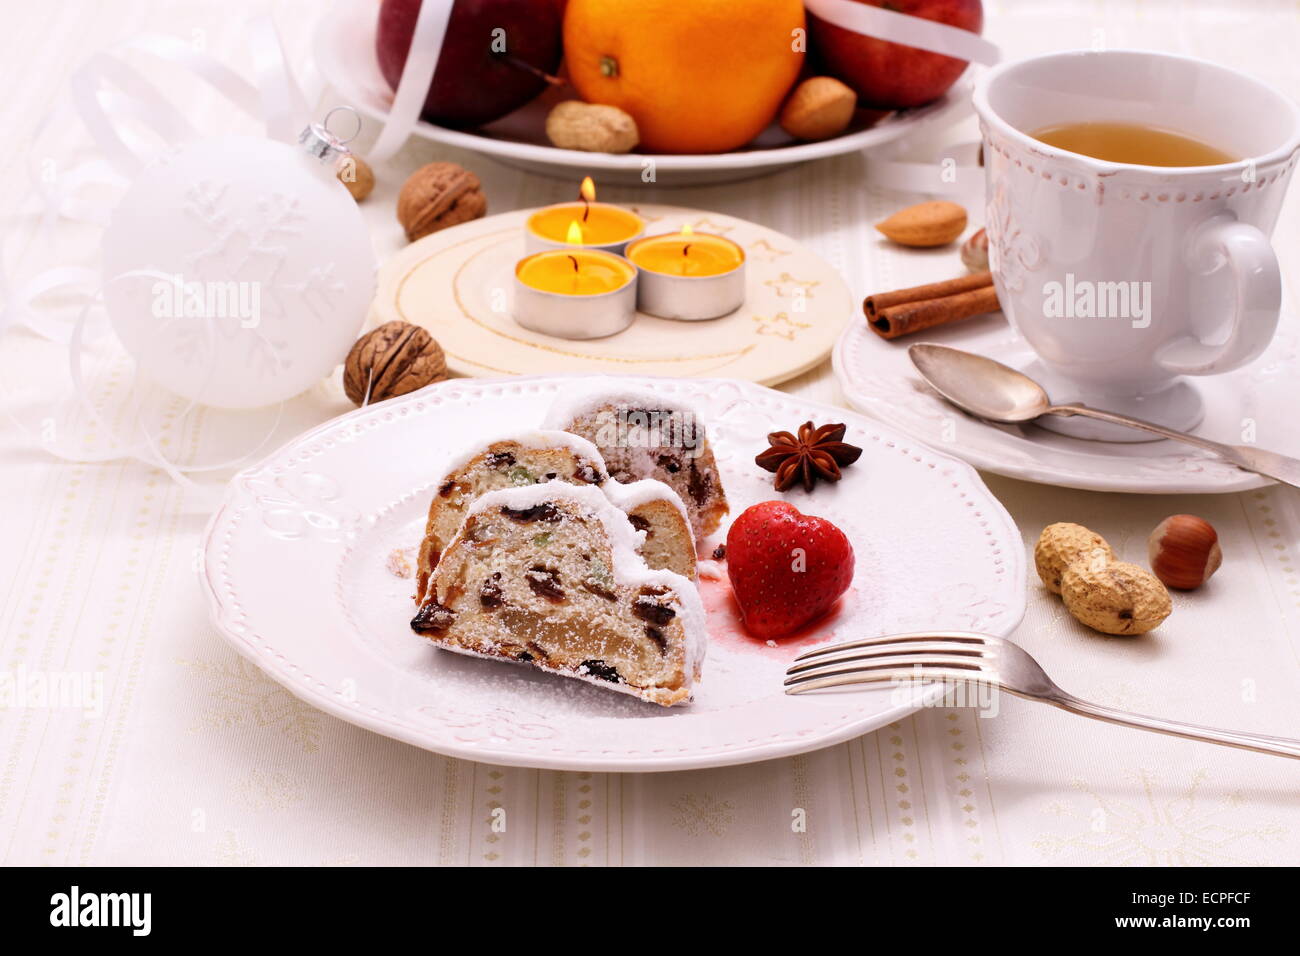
<point>698,76</point>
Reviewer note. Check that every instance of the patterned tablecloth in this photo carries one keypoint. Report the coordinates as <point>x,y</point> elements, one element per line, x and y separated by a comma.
<point>193,757</point>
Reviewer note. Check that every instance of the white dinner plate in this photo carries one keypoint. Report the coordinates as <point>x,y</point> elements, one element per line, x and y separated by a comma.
<point>301,560</point>
<point>345,54</point>
<point>1252,404</point>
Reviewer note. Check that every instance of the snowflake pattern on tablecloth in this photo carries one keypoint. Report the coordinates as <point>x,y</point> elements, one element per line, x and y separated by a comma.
<point>241,694</point>
<point>702,814</point>
<point>268,790</point>
<point>1158,828</point>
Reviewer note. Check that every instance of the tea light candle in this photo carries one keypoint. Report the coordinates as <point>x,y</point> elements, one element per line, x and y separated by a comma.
<point>575,294</point>
<point>588,223</point>
<point>689,275</point>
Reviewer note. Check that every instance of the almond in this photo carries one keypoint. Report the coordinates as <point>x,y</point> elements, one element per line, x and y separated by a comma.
<point>820,107</point>
<point>927,224</point>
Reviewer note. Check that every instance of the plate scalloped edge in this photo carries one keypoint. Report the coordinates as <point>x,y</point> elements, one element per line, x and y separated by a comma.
<point>228,618</point>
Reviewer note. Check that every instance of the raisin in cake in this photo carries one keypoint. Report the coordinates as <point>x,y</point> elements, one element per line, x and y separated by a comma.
<point>642,435</point>
<point>549,575</point>
<point>536,457</point>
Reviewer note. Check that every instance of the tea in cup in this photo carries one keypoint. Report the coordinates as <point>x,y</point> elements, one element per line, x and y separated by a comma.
<point>1130,197</point>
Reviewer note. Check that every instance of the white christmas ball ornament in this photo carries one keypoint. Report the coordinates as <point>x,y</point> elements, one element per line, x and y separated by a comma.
<point>237,271</point>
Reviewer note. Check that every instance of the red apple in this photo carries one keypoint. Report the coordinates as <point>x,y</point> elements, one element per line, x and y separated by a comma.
<point>476,80</point>
<point>889,75</point>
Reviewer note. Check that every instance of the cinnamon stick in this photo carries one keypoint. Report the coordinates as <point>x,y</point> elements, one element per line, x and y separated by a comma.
<point>934,290</point>
<point>909,317</point>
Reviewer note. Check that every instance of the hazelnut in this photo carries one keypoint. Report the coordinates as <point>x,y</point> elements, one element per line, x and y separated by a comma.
<point>820,107</point>
<point>1062,544</point>
<point>394,359</point>
<point>975,252</point>
<point>437,196</point>
<point>356,174</point>
<point>1184,551</point>
<point>1115,597</point>
<point>591,127</point>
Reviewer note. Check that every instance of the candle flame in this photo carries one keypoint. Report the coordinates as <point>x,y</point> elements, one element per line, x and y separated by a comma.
<point>588,189</point>
<point>575,234</point>
<point>687,230</point>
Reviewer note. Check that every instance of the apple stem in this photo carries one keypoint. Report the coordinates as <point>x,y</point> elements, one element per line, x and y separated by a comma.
<point>529,68</point>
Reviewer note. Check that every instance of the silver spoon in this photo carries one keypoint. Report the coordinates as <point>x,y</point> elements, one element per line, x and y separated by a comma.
<point>991,390</point>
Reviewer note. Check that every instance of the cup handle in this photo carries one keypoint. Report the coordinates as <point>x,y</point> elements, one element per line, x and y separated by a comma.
<point>1219,241</point>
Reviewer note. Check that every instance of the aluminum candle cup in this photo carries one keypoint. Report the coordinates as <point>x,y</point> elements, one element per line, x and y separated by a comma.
<point>575,294</point>
<point>688,275</point>
<point>585,225</point>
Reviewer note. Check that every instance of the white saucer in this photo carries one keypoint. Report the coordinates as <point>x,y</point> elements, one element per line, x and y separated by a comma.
<point>1256,404</point>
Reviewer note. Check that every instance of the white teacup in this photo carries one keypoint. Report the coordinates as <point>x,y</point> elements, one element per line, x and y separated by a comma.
<point>1123,278</point>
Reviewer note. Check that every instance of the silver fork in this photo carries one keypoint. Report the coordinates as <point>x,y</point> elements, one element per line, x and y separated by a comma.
<point>983,659</point>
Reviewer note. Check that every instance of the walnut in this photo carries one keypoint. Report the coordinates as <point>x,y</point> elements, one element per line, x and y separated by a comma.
<point>1115,597</point>
<point>355,173</point>
<point>437,196</point>
<point>392,360</point>
<point>1060,545</point>
<point>592,127</point>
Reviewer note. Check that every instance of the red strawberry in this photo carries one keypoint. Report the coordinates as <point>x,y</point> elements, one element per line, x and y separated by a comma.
<point>787,568</point>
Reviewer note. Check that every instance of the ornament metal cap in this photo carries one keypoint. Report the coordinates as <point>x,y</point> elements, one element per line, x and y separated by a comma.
<point>319,140</point>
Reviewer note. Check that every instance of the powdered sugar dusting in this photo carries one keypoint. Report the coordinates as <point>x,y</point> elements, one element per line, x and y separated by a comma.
<point>623,538</point>
<point>629,568</point>
<point>539,439</point>
<point>592,394</point>
<point>634,494</point>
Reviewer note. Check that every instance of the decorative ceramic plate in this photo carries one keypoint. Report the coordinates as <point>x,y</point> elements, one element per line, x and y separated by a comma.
<point>345,54</point>
<point>457,284</point>
<point>307,562</point>
<point>1256,403</point>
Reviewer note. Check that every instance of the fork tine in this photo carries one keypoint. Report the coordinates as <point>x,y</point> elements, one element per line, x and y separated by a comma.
<point>960,637</point>
<point>844,653</point>
<point>832,677</point>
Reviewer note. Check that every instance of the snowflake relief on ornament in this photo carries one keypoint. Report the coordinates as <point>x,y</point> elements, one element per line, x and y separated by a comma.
<point>1012,252</point>
<point>251,250</point>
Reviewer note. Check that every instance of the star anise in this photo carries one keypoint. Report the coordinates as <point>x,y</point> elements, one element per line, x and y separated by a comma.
<point>817,452</point>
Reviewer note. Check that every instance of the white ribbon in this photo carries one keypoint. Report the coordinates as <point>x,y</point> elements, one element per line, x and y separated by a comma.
<point>954,172</point>
<point>417,74</point>
<point>959,177</point>
<point>906,29</point>
<point>105,91</point>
